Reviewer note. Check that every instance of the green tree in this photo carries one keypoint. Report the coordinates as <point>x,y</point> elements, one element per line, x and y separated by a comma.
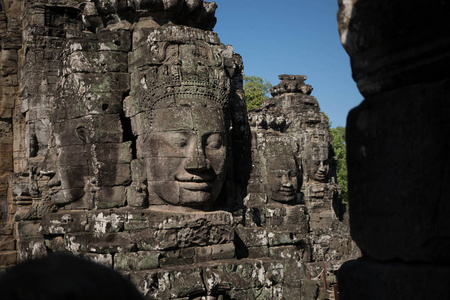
<point>338,135</point>
<point>256,90</point>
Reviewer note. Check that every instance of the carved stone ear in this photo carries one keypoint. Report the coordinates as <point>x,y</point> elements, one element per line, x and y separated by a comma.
<point>82,133</point>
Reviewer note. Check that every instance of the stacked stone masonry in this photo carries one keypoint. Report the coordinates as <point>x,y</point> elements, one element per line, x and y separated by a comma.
<point>125,139</point>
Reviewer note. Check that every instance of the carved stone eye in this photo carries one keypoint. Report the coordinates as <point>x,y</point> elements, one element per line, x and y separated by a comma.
<point>177,139</point>
<point>214,141</point>
<point>82,133</point>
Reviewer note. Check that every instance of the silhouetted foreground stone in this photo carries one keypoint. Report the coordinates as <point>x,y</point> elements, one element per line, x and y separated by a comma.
<point>64,276</point>
<point>397,142</point>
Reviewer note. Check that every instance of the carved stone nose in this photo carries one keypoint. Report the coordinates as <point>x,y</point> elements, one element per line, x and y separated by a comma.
<point>321,167</point>
<point>196,159</point>
<point>285,181</point>
<point>55,181</point>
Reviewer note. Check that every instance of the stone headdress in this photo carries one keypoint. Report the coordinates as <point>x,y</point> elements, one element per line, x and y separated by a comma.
<point>175,66</point>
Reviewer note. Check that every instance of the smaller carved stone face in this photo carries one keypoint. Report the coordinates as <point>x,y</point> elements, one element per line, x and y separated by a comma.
<point>318,170</point>
<point>185,155</point>
<point>282,178</point>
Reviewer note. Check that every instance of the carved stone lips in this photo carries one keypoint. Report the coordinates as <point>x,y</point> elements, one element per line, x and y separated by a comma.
<point>321,176</point>
<point>196,185</point>
<point>286,192</point>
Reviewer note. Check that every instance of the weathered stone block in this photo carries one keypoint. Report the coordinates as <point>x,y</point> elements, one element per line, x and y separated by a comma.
<point>309,289</point>
<point>104,41</point>
<point>5,229</point>
<point>253,237</point>
<point>7,244</point>
<point>225,251</point>
<point>98,83</point>
<point>97,62</point>
<point>101,129</point>
<point>106,221</point>
<point>117,153</point>
<point>166,284</point>
<point>286,252</point>
<point>135,225</point>
<point>98,103</point>
<point>28,229</point>
<point>8,258</point>
<point>135,261</point>
<point>105,243</point>
<point>255,199</point>
<point>113,174</point>
<point>195,219</point>
<point>197,236</point>
<point>109,197</point>
<point>64,222</point>
<point>136,197</point>
<point>177,257</point>
<point>138,173</point>
<point>103,259</point>
<point>255,216</point>
<point>31,247</point>
<point>242,275</point>
<point>55,244</point>
<point>203,254</point>
<point>220,234</point>
<point>284,237</point>
<point>149,240</point>
<point>258,252</point>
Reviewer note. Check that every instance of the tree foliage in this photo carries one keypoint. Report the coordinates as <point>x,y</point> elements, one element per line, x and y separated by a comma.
<point>338,135</point>
<point>256,90</point>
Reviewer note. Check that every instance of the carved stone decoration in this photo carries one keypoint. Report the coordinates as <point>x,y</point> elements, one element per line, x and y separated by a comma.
<point>127,142</point>
<point>291,84</point>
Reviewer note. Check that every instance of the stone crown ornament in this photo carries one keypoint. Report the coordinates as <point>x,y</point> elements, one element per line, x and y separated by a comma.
<point>171,70</point>
<point>166,93</point>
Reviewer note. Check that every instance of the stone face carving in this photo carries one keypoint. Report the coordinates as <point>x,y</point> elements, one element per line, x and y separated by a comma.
<point>318,170</point>
<point>282,174</point>
<point>179,109</point>
<point>188,166</point>
<point>133,149</point>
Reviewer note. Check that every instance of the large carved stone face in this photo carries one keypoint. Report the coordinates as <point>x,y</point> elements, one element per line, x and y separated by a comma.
<point>185,155</point>
<point>74,168</point>
<point>282,178</point>
<point>318,169</point>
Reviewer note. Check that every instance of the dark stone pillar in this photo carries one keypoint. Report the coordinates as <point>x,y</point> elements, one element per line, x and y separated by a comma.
<point>397,140</point>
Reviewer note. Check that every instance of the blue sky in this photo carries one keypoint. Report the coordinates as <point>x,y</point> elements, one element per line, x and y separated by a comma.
<point>297,37</point>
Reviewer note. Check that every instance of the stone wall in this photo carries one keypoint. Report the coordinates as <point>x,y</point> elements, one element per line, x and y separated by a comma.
<point>127,142</point>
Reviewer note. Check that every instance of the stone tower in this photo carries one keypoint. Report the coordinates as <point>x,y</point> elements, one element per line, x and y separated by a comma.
<point>127,142</point>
